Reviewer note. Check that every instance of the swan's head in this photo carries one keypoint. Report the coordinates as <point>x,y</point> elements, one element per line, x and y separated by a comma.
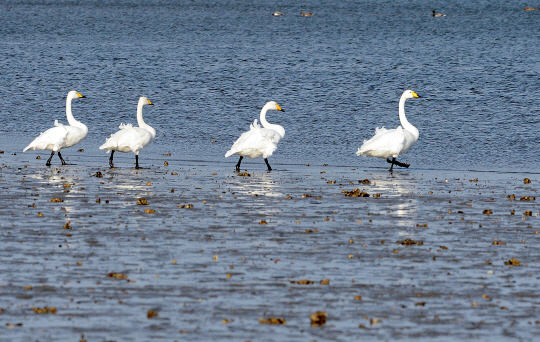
<point>145,101</point>
<point>273,105</point>
<point>74,95</point>
<point>409,94</point>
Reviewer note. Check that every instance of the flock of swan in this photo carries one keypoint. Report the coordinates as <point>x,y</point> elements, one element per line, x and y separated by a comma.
<point>257,142</point>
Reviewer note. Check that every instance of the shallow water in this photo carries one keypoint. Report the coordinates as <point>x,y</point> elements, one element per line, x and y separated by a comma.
<point>209,68</point>
<point>200,266</point>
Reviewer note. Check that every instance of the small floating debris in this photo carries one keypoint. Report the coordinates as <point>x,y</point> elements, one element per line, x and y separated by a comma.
<point>527,198</point>
<point>142,201</point>
<point>187,206</point>
<point>512,262</point>
<point>526,181</point>
<point>80,150</point>
<point>272,320</point>
<point>308,14</point>
<point>512,197</point>
<point>263,222</point>
<point>355,193</point>
<point>527,213</point>
<point>98,174</point>
<point>165,163</point>
<point>56,200</point>
<point>487,212</point>
<point>331,182</point>
<point>318,318</point>
<point>151,314</point>
<point>325,282</point>
<point>45,310</point>
<point>66,225</point>
<point>149,211</point>
<point>365,181</point>
<point>531,8</point>
<point>38,157</point>
<point>244,174</point>
<point>499,243</point>
<point>277,14</point>
<point>408,242</point>
<point>302,282</point>
<point>117,275</point>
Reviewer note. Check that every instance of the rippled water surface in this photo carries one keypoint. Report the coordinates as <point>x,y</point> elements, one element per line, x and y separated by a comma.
<point>209,67</point>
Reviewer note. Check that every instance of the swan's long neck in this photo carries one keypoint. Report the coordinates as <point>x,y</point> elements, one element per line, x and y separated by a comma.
<point>268,125</point>
<point>141,122</point>
<point>403,119</point>
<point>72,121</point>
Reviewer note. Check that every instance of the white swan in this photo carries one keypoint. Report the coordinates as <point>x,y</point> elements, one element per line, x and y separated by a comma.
<point>392,142</point>
<point>59,137</point>
<point>259,141</point>
<point>130,138</point>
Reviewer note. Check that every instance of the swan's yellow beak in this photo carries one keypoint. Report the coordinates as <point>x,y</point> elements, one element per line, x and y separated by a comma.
<point>279,108</point>
<point>414,94</point>
<point>79,95</point>
<point>150,103</point>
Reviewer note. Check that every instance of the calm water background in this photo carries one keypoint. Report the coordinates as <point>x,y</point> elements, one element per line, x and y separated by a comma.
<point>210,66</point>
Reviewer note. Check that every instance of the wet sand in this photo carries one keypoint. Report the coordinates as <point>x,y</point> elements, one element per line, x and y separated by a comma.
<point>425,260</point>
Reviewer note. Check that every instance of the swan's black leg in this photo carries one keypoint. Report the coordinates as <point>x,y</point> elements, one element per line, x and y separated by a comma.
<point>405,165</point>
<point>111,160</point>
<point>137,162</point>
<point>62,159</point>
<point>238,165</point>
<point>395,162</point>
<point>48,163</point>
<point>266,161</point>
<point>391,162</point>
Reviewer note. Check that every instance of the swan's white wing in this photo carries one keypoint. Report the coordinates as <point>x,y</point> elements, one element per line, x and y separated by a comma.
<point>57,124</point>
<point>385,143</point>
<point>127,139</point>
<point>255,143</point>
<point>52,139</point>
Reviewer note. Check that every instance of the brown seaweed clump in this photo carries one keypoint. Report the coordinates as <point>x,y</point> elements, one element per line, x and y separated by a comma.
<point>302,282</point>
<point>355,193</point>
<point>318,318</point>
<point>117,275</point>
<point>527,198</point>
<point>151,314</point>
<point>512,262</point>
<point>142,201</point>
<point>244,174</point>
<point>272,320</point>
<point>365,181</point>
<point>45,310</point>
<point>408,242</point>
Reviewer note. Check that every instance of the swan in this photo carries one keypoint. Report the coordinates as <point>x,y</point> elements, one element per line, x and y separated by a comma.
<point>130,138</point>
<point>61,136</point>
<point>392,142</point>
<point>277,14</point>
<point>437,15</point>
<point>259,141</point>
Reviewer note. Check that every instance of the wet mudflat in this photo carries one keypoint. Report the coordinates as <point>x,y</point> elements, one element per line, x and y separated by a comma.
<point>212,255</point>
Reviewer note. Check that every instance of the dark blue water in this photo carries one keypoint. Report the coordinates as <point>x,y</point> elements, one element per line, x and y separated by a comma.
<point>210,66</point>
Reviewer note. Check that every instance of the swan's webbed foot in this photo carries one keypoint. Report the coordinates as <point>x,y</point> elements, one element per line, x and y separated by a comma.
<point>238,165</point>
<point>395,162</point>
<point>62,159</point>
<point>111,160</point>
<point>48,163</point>
<point>266,161</point>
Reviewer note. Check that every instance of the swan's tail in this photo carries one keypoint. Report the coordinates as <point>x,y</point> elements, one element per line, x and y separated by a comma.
<point>229,153</point>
